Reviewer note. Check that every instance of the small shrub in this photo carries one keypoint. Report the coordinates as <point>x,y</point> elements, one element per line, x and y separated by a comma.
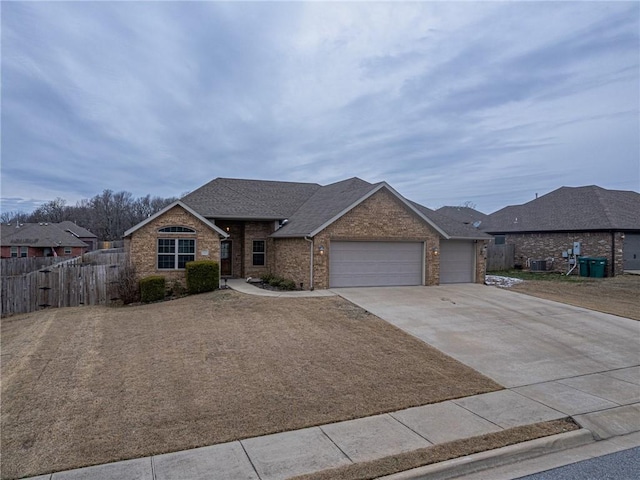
<point>288,285</point>
<point>275,281</point>
<point>177,289</point>
<point>267,277</point>
<point>202,276</point>
<point>127,286</point>
<point>152,288</point>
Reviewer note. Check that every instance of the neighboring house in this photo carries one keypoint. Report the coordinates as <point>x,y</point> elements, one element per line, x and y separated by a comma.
<point>349,233</point>
<point>605,222</point>
<point>81,233</point>
<point>40,240</point>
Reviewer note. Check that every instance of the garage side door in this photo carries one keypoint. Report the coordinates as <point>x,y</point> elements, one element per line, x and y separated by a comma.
<point>457,261</point>
<point>375,264</point>
<point>631,251</point>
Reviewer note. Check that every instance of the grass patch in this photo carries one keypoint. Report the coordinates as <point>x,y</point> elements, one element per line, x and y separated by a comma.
<point>442,452</point>
<point>90,385</point>
<point>543,276</point>
<point>615,295</point>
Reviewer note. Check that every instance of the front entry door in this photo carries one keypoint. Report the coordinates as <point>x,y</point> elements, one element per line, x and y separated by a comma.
<point>225,258</point>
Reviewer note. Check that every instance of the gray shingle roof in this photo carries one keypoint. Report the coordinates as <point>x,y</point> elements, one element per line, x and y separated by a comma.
<point>39,235</point>
<point>570,209</point>
<point>452,227</point>
<point>323,205</point>
<point>463,214</point>
<point>249,199</point>
<point>307,206</point>
<point>76,229</point>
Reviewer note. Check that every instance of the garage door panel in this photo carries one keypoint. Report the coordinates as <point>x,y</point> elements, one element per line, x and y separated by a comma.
<point>631,249</point>
<point>367,264</point>
<point>457,261</point>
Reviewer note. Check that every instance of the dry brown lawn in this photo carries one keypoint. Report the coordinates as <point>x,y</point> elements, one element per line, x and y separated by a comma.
<point>89,385</point>
<point>617,295</point>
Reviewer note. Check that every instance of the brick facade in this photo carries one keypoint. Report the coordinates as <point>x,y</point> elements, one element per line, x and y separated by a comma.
<point>142,245</point>
<point>292,260</point>
<point>258,231</point>
<point>481,260</point>
<point>381,217</point>
<point>549,246</point>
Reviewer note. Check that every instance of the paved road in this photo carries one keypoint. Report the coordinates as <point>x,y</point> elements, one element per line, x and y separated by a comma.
<point>516,339</point>
<point>623,465</point>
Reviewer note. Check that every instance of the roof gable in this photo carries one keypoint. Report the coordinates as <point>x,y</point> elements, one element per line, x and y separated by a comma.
<point>570,209</point>
<point>330,203</point>
<point>177,203</point>
<point>325,204</point>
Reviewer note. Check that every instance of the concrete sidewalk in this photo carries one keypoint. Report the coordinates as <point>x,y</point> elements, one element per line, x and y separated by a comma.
<point>283,455</point>
<point>242,286</point>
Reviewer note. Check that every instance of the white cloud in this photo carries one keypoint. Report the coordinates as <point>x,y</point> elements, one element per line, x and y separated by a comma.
<point>446,101</point>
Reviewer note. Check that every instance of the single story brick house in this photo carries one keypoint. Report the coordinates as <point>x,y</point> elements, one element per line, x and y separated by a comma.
<point>349,233</point>
<point>606,223</point>
<point>43,240</point>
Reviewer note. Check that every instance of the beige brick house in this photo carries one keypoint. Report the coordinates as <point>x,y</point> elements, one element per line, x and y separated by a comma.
<point>349,233</point>
<point>605,223</point>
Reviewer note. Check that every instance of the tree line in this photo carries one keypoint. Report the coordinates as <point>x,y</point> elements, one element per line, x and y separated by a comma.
<point>108,215</point>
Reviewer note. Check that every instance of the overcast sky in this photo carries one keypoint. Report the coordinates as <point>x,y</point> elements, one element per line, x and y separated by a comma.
<point>448,102</point>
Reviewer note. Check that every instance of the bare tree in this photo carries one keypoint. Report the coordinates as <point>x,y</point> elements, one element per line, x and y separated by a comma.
<point>107,214</point>
<point>13,217</point>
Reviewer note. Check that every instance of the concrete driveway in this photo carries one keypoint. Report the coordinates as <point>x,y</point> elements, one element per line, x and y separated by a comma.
<point>512,338</point>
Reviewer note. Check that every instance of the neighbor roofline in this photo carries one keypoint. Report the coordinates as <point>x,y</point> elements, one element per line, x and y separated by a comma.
<point>458,237</point>
<point>177,203</point>
<point>380,186</point>
<point>574,230</point>
<point>248,217</point>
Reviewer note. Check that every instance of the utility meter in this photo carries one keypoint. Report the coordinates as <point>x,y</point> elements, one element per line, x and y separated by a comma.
<point>576,248</point>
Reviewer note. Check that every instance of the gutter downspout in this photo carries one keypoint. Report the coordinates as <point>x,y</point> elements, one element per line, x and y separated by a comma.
<point>310,240</point>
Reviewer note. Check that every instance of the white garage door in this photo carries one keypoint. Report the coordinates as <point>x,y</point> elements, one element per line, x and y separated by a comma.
<point>375,264</point>
<point>457,261</point>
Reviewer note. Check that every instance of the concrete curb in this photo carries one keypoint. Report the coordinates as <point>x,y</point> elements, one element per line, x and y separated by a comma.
<point>494,458</point>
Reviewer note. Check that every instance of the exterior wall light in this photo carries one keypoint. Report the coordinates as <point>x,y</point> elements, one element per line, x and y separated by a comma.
<point>435,250</point>
<point>321,250</point>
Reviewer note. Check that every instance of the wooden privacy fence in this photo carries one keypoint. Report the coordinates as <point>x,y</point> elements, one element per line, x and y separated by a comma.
<point>110,257</point>
<point>69,284</point>
<point>19,266</point>
<point>501,257</point>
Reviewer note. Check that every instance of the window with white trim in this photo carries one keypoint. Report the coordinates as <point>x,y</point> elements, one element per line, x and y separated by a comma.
<point>259,257</point>
<point>14,252</point>
<point>174,253</point>
<point>24,251</point>
<point>67,250</point>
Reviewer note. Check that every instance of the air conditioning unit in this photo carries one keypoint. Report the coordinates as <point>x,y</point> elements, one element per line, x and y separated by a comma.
<point>538,265</point>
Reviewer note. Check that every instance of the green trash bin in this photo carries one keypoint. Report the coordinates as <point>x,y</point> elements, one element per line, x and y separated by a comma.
<point>597,267</point>
<point>583,262</point>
